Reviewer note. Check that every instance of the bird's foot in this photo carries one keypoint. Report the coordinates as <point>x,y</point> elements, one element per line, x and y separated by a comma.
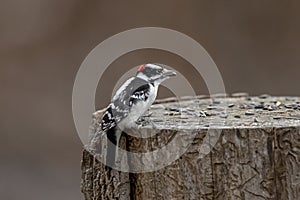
<point>148,123</point>
<point>141,122</point>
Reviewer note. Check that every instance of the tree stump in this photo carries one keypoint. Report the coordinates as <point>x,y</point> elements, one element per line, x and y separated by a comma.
<point>256,154</point>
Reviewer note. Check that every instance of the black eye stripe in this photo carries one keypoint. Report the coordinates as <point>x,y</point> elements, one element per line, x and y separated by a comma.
<point>151,71</point>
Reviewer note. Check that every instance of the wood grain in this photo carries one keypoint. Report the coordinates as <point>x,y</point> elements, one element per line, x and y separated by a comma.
<point>256,156</point>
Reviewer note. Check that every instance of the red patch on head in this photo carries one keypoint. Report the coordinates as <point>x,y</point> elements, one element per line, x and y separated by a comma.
<point>141,68</point>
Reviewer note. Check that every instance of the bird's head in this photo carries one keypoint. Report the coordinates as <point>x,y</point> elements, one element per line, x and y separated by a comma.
<point>154,73</point>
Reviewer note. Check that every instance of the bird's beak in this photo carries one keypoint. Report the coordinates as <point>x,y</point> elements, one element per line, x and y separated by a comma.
<point>168,73</point>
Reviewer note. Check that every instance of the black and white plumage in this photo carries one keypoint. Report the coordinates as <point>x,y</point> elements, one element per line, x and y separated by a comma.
<point>126,98</point>
<point>131,101</point>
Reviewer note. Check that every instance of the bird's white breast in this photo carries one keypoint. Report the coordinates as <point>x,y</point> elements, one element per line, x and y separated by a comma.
<point>138,109</point>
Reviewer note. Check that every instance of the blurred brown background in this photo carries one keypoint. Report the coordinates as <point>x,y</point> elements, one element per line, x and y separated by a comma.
<point>255,44</point>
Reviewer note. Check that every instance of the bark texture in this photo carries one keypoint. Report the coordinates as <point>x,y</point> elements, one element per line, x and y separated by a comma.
<point>256,155</point>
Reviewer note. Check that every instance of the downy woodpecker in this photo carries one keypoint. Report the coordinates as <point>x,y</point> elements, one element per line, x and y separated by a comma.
<point>130,102</point>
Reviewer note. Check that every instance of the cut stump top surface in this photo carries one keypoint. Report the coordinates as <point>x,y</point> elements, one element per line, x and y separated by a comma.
<point>192,113</point>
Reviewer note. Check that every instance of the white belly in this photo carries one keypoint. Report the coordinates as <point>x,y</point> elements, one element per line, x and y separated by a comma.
<point>138,110</point>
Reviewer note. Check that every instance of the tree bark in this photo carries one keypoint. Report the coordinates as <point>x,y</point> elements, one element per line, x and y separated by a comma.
<point>256,155</point>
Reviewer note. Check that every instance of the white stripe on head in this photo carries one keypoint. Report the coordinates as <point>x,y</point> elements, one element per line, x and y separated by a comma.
<point>142,76</point>
<point>154,66</point>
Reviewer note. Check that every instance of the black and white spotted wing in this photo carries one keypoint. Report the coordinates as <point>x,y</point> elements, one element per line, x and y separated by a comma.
<point>132,91</point>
